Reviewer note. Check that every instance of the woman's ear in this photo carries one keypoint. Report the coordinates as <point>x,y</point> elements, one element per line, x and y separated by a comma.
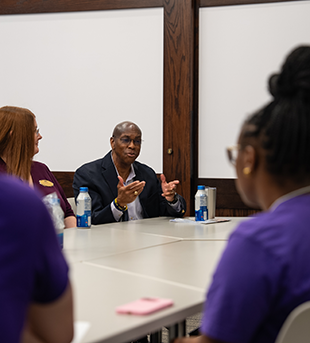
<point>249,160</point>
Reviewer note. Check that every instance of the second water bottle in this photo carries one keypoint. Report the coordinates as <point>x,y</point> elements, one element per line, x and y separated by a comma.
<point>83,208</point>
<point>201,204</point>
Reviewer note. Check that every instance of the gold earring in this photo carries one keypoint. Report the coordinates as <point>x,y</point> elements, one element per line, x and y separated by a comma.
<point>247,171</point>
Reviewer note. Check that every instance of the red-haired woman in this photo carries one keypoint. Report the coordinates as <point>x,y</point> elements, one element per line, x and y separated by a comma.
<point>19,138</point>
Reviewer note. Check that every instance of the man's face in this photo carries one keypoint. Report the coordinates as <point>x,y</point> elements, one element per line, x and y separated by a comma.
<point>126,147</point>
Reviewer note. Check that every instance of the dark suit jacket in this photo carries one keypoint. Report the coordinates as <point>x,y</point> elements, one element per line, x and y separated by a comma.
<point>101,179</point>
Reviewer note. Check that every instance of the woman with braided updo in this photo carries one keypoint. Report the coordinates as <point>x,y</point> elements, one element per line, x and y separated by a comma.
<point>264,272</point>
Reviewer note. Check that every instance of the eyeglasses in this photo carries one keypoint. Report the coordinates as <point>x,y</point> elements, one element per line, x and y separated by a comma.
<point>232,153</point>
<point>37,131</point>
<point>127,141</point>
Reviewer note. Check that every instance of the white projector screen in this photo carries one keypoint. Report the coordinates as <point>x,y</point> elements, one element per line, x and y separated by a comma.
<point>81,74</point>
<point>240,47</point>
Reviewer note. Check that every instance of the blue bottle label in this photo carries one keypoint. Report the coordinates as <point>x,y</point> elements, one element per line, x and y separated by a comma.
<point>201,214</point>
<point>60,237</point>
<point>84,220</point>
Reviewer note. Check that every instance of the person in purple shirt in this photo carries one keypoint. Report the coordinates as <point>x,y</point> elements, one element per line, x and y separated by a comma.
<point>264,272</point>
<point>19,142</point>
<point>35,292</point>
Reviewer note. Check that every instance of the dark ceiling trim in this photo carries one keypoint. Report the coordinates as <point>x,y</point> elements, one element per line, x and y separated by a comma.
<point>213,3</point>
<point>53,6</point>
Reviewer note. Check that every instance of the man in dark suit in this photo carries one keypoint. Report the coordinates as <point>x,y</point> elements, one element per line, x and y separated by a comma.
<point>122,188</point>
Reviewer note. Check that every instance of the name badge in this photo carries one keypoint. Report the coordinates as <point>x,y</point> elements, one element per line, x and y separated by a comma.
<point>46,183</point>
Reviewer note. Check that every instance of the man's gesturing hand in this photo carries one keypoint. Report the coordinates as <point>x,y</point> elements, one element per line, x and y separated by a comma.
<point>169,189</point>
<point>127,194</point>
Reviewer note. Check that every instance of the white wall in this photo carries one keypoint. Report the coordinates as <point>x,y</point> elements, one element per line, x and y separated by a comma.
<point>81,74</point>
<point>240,46</point>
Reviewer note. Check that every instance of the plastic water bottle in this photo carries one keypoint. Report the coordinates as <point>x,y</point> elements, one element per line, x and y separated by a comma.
<point>52,203</point>
<point>59,218</point>
<point>83,208</point>
<point>201,201</point>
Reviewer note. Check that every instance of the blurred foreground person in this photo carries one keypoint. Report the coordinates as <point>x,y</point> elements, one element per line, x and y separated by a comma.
<point>35,292</point>
<point>264,273</point>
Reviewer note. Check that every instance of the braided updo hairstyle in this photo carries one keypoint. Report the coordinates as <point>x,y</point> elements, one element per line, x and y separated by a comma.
<point>283,126</point>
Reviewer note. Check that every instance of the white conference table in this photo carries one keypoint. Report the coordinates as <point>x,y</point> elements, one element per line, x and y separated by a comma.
<point>98,291</point>
<point>113,264</point>
<point>189,264</point>
<point>104,240</point>
<point>162,226</point>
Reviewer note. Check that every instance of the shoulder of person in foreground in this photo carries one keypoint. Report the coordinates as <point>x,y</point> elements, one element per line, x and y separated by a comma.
<point>41,270</point>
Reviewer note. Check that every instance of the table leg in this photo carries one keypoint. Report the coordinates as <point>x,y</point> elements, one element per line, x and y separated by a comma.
<point>173,331</point>
<point>182,328</point>
<point>156,337</point>
<point>177,330</point>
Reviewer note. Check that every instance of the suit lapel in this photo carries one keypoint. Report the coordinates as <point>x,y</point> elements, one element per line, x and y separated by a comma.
<point>139,177</point>
<point>143,196</point>
<point>109,174</point>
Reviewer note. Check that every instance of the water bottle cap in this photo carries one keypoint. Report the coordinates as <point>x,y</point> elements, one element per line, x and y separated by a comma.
<point>201,187</point>
<point>83,189</point>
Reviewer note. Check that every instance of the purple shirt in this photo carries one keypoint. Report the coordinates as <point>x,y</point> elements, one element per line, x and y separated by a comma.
<point>263,274</point>
<point>45,182</point>
<point>32,267</point>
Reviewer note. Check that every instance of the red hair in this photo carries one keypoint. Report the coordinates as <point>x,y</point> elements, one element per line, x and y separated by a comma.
<point>17,140</point>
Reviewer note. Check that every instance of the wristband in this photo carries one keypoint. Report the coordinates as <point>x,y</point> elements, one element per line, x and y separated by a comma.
<point>175,200</point>
<point>116,204</point>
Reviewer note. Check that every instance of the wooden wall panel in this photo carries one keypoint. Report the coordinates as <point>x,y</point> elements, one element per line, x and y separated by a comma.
<point>224,212</point>
<point>65,180</point>
<point>179,88</point>
<point>228,201</point>
<point>50,6</point>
